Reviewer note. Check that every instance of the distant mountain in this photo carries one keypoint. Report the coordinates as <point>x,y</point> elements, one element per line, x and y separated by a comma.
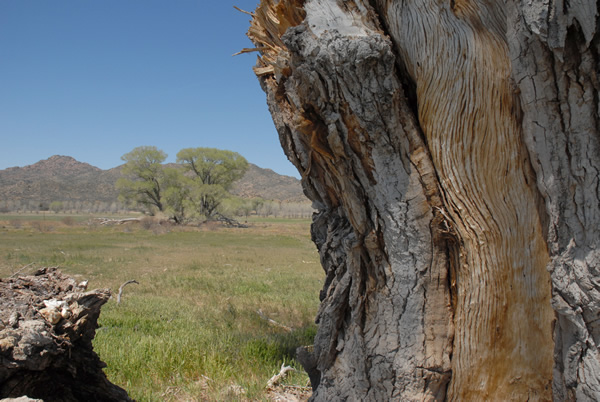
<point>59,178</point>
<point>62,178</point>
<point>265,183</point>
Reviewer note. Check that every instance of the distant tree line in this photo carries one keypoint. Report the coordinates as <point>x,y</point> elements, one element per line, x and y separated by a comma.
<point>243,208</point>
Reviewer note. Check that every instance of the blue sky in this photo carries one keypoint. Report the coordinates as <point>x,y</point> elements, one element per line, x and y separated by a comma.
<point>94,79</point>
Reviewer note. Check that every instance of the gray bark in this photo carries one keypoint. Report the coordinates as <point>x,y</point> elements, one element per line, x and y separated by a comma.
<point>555,48</point>
<point>452,153</point>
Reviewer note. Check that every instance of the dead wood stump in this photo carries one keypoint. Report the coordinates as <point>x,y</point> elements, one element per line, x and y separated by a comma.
<point>47,323</point>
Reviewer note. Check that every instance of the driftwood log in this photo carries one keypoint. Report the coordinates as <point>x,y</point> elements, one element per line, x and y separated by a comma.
<point>47,323</point>
<point>108,221</point>
<point>452,149</point>
<point>229,221</point>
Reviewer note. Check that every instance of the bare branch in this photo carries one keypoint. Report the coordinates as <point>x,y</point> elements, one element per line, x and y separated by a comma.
<point>273,322</point>
<point>283,372</point>
<point>122,287</point>
<point>16,273</point>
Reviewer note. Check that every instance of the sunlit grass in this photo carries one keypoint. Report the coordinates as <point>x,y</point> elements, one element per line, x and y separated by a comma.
<point>190,330</point>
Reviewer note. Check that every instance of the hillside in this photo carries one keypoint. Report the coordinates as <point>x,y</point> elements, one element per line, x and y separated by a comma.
<point>265,183</point>
<point>59,178</point>
<point>62,178</point>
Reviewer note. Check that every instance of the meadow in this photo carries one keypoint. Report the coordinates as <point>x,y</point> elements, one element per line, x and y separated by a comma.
<point>195,327</point>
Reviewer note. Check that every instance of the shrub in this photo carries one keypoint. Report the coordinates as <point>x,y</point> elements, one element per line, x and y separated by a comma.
<point>68,220</point>
<point>42,226</point>
<point>147,222</point>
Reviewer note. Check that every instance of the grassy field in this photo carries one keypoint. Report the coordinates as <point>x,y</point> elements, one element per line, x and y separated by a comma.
<point>191,329</point>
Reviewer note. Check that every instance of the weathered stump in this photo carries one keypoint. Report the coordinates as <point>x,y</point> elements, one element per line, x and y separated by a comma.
<point>47,323</point>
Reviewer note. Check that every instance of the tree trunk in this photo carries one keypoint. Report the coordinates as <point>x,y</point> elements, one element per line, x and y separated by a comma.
<point>453,152</point>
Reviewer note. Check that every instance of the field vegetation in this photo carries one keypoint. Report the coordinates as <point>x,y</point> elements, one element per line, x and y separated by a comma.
<point>194,328</point>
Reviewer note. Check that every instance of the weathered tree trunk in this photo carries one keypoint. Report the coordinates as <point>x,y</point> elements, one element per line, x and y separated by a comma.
<point>453,152</point>
<point>47,323</point>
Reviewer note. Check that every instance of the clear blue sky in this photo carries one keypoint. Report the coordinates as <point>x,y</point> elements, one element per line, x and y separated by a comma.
<point>93,79</point>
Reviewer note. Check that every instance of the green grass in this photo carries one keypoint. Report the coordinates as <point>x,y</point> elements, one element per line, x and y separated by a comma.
<point>190,330</point>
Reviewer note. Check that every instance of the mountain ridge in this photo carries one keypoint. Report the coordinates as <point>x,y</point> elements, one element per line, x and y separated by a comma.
<point>63,178</point>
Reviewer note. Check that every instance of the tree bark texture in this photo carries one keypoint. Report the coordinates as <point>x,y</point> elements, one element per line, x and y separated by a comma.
<point>452,151</point>
<point>47,324</point>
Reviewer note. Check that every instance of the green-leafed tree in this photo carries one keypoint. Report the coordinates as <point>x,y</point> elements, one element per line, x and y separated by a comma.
<point>232,206</point>
<point>204,199</point>
<point>141,184</point>
<point>214,171</point>
<point>56,206</point>
<point>176,193</point>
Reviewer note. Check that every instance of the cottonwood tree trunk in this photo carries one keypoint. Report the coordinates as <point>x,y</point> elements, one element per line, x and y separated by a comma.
<point>452,149</point>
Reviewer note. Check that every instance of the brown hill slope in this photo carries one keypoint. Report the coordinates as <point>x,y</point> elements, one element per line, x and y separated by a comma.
<point>58,178</point>
<point>62,178</point>
<point>265,183</point>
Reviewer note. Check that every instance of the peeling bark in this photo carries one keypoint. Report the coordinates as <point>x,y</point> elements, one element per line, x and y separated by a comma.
<point>452,152</point>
